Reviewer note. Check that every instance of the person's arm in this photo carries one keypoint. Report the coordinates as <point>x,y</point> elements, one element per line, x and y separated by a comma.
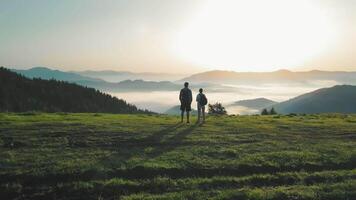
<point>190,96</point>
<point>180,96</point>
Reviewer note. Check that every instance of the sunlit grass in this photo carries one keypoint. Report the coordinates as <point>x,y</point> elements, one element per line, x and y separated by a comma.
<point>92,156</point>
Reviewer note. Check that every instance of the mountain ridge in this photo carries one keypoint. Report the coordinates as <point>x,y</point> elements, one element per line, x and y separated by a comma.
<point>257,103</point>
<point>274,77</point>
<point>116,76</point>
<point>336,99</point>
<point>47,73</point>
<point>121,86</point>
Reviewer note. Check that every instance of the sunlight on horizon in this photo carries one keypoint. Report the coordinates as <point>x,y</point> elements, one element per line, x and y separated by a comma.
<point>255,35</point>
<point>179,36</point>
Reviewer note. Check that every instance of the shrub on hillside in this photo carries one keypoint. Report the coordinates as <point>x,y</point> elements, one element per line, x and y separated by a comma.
<point>217,109</point>
<point>271,112</point>
<point>264,112</point>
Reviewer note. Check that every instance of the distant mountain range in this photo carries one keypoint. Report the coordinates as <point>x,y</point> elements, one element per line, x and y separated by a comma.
<point>131,86</point>
<point>117,76</point>
<point>126,85</point>
<point>256,104</point>
<point>147,85</point>
<point>337,99</point>
<point>276,77</point>
<point>108,79</point>
<point>46,73</point>
<point>122,86</point>
<point>20,94</point>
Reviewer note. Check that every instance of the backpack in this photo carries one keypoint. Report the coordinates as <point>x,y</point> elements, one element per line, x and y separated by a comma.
<point>203,100</point>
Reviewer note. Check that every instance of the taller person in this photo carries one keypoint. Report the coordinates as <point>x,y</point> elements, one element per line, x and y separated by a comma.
<point>185,98</point>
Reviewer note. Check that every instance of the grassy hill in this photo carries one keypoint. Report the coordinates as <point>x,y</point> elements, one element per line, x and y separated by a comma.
<point>106,156</point>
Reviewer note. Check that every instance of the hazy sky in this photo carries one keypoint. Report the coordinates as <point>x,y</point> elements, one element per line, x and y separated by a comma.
<point>178,36</point>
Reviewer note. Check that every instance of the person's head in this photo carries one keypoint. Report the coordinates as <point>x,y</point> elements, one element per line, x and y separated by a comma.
<point>201,90</point>
<point>186,84</point>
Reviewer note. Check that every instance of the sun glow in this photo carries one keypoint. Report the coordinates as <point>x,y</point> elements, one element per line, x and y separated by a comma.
<point>255,35</point>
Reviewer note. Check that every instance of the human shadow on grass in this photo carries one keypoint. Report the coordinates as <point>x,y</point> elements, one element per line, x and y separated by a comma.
<point>157,137</point>
<point>140,150</point>
<point>172,142</point>
<point>138,147</point>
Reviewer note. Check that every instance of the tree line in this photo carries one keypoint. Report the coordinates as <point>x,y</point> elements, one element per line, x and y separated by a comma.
<point>21,94</point>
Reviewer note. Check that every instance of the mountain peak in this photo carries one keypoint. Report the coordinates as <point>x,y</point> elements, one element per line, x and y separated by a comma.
<point>47,73</point>
<point>257,103</point>
<point>40,68</point>
<point>283,71</point>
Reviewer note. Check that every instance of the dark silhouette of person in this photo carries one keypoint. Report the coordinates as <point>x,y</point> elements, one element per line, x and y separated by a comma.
<point>201,102</point>
<point>185,98</point>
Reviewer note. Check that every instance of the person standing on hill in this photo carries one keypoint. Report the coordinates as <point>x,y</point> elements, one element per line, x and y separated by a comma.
<point>185,98</point>
<point>201,102</point>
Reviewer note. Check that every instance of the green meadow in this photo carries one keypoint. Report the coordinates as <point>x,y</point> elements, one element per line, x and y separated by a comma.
<point>108,156</point>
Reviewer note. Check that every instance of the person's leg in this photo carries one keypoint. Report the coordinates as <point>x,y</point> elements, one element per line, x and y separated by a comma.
<point>203,110</point>
<point>182,115</point>
<point>199,113</point>
<point>188,117</point>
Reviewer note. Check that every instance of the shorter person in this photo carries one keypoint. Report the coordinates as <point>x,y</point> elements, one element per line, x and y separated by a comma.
<point>201,102</point>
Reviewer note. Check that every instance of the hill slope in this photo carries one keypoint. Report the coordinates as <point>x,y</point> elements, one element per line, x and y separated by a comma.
<point>19,94</point>
<point>337,99</point>
<point>104,156</point>
<point>257,104</point>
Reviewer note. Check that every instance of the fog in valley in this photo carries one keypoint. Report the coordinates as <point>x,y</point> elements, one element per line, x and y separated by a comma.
<point>161,101</point>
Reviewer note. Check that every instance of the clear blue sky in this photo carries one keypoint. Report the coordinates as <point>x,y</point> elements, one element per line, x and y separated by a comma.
<point>178,35</point>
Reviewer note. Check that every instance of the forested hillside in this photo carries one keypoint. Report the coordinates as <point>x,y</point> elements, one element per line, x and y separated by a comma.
<point>20,94</point>
<point>337,99</point>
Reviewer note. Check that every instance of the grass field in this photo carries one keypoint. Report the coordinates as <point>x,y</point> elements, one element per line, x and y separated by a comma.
<point>103,156</point>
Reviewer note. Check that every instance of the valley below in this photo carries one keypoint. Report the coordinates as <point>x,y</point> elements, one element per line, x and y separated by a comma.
<point>161,101</point>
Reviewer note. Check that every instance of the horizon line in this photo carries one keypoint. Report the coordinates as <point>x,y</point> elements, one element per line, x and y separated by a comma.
<point>148,72</point>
